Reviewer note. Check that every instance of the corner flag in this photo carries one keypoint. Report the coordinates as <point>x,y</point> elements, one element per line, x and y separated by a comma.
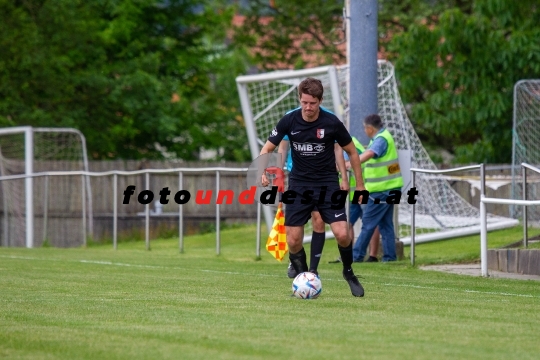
<point>277,240</point>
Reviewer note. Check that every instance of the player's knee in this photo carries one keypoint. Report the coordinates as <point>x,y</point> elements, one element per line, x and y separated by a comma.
<point>294,241</point>
<point>318,226</point>
<point>342,235</point>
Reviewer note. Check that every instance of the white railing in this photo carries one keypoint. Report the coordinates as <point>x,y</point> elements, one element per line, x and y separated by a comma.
<point>483,213</point>
<point>446,171</point>
<point>147,172</point>
<point>484,200</point>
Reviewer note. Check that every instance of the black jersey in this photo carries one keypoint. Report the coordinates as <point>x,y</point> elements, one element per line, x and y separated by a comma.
<point>312,146</point>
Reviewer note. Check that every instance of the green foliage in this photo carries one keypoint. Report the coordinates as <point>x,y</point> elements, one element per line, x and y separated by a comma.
<point>397,16</point>
<point>458,74</point>
<point>130,75</point>
<point>456,61</point>
<point>284,33</point>
<point>292,32</point>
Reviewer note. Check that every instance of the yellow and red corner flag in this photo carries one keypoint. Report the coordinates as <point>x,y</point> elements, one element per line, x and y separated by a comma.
<point>277,240</point>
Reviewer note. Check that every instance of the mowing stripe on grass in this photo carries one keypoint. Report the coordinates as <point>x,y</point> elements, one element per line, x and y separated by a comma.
<point>110,263</point>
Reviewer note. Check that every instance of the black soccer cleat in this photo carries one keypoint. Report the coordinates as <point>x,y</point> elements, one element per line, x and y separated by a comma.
<point>314,272</point>
<point>291,272</point>
<point>354,284</point>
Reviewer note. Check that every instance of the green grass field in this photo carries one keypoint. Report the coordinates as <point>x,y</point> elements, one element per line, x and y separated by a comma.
<point>97,303</point>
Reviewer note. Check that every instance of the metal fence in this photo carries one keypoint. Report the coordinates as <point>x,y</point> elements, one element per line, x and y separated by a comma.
<point>106,198</point>
<point>524,203</point>
<point>482,205</point>
<point>120,179</point>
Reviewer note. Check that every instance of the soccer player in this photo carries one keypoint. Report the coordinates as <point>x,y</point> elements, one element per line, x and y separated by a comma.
<point>318,236</point>
<point>313,181</point>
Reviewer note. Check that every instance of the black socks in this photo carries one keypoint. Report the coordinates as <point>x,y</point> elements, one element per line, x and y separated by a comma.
<point>317,245</point>
<point>299,262</point>
<point>346,256</point>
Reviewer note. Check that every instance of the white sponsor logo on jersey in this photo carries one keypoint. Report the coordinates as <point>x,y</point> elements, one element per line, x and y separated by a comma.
<point>274,132</point>
<point>308,149</point>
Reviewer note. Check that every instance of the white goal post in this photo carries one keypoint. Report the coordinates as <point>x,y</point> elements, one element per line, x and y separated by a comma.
<point>526,144</point>
<point>25,150</point>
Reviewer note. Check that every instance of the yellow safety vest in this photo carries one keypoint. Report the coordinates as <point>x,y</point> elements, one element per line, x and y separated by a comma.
<point>383,173</point>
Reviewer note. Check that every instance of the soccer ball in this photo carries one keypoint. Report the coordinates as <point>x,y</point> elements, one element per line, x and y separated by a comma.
<point>306,285</point>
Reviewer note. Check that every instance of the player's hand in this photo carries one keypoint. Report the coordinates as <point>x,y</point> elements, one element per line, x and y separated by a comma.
<point>264,180</point>
<point>344,185</point>
<point>360,187</point>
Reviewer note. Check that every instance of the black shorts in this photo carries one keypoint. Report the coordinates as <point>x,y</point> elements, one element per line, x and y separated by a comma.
<point>328,200</point>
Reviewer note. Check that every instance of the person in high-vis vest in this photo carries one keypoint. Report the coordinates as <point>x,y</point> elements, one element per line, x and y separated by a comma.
<point>355,211</point>
<point>382,178</point>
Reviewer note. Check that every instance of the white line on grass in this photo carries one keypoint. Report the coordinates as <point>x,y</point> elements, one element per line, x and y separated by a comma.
<point>110,263</point>
<point>464,290</point>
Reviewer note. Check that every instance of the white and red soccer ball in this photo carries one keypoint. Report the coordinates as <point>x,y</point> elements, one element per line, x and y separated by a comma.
<point>306,285</point>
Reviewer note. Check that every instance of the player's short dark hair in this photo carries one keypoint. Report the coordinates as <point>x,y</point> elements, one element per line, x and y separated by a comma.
<point>311,86</point>
<point>373,120</point>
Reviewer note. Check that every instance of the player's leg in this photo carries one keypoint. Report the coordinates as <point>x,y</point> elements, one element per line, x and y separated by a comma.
<point>344,242</point>
<point>334,215</point>
<point>355,212</point>
<point>374,246</point>
<point>297,254</point>
<point>296,216</point>
<point>341,232</point>
<point>317,241</point>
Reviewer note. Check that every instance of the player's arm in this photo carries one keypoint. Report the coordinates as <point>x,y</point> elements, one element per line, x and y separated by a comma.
<point>283,149</point>
<point>276,135</point>
<point>274,139</point>
<point>266,149</point>
<point>340,161</point>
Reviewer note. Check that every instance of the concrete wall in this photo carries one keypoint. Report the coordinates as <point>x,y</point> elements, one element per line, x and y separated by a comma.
<point>521,261</point>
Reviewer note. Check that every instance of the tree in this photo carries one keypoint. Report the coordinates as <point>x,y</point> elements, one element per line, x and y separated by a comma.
<point>285,33</point>
<point>300,33</point>
<point>140,78</point>
<point>456,60</point>
<point>458,75</point>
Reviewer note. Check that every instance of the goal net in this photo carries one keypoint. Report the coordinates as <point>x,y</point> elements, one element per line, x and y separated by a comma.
<point>39,209</point>
<point>526,144</point>
<point>440,211</point>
